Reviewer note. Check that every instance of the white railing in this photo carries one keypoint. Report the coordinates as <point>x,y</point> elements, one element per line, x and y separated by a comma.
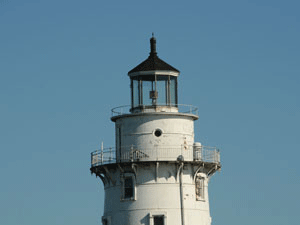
<point>171,153</point>
<point>121,110</point>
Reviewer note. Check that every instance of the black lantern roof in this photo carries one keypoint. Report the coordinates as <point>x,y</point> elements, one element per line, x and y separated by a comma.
<point>153,62</point>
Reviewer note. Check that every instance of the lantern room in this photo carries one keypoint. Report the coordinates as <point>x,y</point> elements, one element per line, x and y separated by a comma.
<point>153,84</point>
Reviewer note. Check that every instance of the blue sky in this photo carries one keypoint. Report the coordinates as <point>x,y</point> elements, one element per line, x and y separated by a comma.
<point>64,64</point>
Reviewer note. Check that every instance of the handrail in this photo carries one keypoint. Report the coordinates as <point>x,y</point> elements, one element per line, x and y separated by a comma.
<point>160,153</point>
<point>182,108</point>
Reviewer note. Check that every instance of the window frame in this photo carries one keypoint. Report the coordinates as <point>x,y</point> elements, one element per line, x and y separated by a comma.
<point>133,197</point>
<point>158,214</point>
<point>200,187</point>
<point>108,220</point>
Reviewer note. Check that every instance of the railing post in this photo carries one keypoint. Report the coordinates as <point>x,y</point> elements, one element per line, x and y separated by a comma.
<point>110,155</point>
<point>131,153</point>
<point>102,153</point>
<point>215,156</point>
<point>97,160</point>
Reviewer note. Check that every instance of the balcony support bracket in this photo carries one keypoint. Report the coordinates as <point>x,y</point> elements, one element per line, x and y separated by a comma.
<point>197,171</point>
<point>108,175</point>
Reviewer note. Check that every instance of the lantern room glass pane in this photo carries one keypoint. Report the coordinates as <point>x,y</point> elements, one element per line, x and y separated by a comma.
<point>161,87</point>
<point>135,93</point>
<point>147,88</point>
<point>173,90</point>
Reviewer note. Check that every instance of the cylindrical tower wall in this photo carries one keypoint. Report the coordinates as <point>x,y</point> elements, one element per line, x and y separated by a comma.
<point>155,134</point>
<point>157,194</point>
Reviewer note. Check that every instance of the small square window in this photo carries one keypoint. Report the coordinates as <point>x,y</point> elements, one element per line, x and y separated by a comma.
<point>106,220</point>
<point>159,220</point>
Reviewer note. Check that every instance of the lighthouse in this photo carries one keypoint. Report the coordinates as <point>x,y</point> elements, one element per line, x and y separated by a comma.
<point>156,174</point>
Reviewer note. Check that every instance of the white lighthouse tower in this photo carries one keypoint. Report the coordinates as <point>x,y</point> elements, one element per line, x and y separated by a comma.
<point>156,174</point>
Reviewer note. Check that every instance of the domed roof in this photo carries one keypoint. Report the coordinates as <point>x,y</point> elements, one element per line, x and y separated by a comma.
<point>153,62</point>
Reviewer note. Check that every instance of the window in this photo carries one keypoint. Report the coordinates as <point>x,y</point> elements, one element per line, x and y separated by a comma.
<point>158,218</point>
<point>147,86</point>
<point>135,93</point>
<point>151,90</point>
<point>158,132</point>
<point>173,91</point>
<point>162,87</point>
<point>128,182</point>
<point>128,187</point>
<point>199,183</point>
<point>106,220</point>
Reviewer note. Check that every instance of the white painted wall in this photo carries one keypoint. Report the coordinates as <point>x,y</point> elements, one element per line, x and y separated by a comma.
<point>157,189</point>
<point>157,196</point>
<point>177,131</point>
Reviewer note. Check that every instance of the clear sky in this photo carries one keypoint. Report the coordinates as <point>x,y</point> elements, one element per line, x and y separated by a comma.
<point>64,64</point>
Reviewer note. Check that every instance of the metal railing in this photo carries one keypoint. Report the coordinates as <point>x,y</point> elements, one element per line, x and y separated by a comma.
<point>121,110</point>
<point>158,153</point>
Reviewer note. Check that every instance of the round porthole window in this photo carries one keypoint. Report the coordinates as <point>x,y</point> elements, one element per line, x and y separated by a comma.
<point>158,132</point>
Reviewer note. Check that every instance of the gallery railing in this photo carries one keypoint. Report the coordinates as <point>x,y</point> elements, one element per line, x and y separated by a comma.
<point>157,153</point>
<point>189,109</point>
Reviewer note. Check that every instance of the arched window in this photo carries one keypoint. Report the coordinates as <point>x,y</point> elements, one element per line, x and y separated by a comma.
<point>200,187</point>
<point>128,186</point>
